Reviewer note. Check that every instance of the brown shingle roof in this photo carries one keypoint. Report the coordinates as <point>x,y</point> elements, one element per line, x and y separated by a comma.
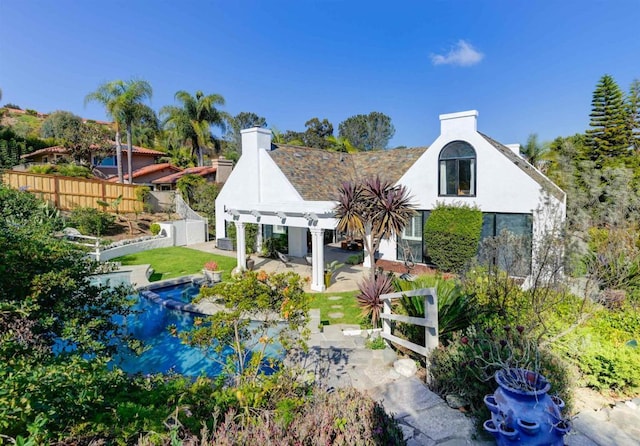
<point>316,173</point>
<point>546,184</point>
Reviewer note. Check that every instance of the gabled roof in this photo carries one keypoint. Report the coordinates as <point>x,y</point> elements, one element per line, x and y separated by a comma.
<point>59,149</point>
<point>546,184</point>
<point>316,173</point>
<point>146,170</point>
<point>174,177</point>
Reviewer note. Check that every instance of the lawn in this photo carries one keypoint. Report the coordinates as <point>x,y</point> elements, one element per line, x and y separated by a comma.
<point>177,261</point>
<point>348,306</point>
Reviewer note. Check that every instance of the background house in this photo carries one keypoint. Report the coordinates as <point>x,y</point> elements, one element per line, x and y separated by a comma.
<point>294,188</point>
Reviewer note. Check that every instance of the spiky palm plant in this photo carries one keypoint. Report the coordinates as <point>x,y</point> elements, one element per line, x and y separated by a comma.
<point>373,209</point>
<point>371,288</point>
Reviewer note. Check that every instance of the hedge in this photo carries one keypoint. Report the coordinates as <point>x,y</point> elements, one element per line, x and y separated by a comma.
<point>452,234</point>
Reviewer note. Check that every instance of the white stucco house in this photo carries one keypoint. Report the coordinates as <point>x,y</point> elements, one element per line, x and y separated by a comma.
<point>292,189</point>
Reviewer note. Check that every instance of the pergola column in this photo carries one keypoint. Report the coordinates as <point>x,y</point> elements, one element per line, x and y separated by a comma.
<point>241,246</point>
<point>317,256</point>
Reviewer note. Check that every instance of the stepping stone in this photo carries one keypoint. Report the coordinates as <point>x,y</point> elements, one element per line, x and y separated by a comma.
<point>336,306</point>
<point>335,315</point>
<point>334,297</point>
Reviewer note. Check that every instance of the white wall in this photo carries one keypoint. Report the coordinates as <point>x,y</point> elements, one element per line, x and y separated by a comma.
<point>501,186</point>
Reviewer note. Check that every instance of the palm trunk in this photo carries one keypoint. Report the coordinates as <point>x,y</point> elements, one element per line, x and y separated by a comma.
<point>129,153</point>
<point>119,155</point>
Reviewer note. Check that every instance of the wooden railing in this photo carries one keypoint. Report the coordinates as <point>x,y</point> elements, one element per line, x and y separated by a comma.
<point>429,321</point>
<point>68,193</point>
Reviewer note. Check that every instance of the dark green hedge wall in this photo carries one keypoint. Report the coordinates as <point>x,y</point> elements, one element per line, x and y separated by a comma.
<point>452,234</point>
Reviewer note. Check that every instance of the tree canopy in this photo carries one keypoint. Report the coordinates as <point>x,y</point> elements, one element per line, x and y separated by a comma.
<point>368,132</point>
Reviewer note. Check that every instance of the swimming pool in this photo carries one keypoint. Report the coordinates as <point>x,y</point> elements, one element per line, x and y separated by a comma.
<point>165,352</point>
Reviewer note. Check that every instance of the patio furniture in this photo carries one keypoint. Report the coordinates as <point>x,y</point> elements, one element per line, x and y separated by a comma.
<point>283,258</point>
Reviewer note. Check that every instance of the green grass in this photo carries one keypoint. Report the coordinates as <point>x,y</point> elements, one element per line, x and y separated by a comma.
<point>349,307</point>
<point>177,261</point>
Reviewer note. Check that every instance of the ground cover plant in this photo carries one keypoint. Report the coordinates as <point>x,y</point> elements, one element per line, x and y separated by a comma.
<point>177,261</point>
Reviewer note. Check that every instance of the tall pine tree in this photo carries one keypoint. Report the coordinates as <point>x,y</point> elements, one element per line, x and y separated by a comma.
<point>633,114</point>
<point>608,137</point>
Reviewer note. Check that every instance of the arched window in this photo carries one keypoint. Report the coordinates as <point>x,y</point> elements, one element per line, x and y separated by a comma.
<point>457,170</point>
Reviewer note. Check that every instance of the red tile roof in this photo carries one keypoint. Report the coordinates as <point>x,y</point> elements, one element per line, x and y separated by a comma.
<point>202,171</point>
<point>146,170</point>
<point>59,149</point>
<point>45,151</point>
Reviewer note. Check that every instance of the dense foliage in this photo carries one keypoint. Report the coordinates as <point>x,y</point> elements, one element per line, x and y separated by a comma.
<point>91,221</point>
<point>452,234</point>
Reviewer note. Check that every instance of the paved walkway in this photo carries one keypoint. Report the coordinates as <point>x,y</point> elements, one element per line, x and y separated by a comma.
<point>336,360</point>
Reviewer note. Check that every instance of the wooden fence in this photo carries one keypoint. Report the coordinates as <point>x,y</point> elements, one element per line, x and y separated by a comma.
<point>68,193</point>
<point>429,321</point>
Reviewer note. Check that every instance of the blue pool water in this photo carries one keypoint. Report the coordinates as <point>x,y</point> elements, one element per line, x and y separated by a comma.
<point>164,351</point>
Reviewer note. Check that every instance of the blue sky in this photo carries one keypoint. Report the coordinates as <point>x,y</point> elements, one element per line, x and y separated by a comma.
<point>526,66</point>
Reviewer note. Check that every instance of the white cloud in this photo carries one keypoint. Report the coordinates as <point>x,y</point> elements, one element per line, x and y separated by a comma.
<point>463,54</point>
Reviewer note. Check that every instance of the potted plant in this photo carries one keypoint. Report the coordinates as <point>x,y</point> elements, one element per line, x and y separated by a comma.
<point>329,270</point>
<point>521,409</point>
<point>212,272</point>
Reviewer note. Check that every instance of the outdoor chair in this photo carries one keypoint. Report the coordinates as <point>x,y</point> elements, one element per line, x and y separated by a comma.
<point>283,258</point>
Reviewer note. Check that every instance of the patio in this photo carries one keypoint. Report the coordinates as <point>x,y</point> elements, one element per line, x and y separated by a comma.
<point>345,279</point>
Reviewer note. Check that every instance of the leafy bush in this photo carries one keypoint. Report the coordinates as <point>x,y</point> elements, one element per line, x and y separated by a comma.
<point>344,417</point>
<point>604,352</point>
<point>355,259</point>
<point>452,234</point>
<point>42,169</point>
<point>90,221</point>
<point>154,228</point>
<point>74,170</point>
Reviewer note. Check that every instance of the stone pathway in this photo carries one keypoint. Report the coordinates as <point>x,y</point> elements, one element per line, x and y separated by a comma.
<point>337,361</point>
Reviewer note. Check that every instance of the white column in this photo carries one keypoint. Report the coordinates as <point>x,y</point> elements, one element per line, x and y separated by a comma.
<point>317,255</point>
<point>241,246</point>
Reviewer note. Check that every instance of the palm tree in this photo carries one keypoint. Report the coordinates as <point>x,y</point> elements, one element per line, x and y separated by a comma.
<point>339,144</point>
<point>191,122</point>
<point>373,209</point>
<point>534,152</point>
<point>123,103</point>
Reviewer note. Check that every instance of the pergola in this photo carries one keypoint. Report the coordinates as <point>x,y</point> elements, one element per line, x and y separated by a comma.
<point>315,216</point>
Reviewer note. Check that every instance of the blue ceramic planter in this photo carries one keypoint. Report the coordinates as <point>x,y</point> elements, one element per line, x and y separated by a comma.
<point>522,412</point>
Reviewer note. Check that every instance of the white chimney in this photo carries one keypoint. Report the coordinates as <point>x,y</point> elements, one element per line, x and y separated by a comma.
<point>515,148</point>
<point>461,122</point>
<point>254,139</point>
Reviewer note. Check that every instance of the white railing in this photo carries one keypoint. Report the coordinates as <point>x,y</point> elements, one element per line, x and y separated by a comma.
<point>429,321</point>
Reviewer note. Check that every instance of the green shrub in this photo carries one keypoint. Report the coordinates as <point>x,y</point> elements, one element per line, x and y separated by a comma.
<point>154,228</point>
<point>74,170</point>
<point>90,221</point>
<point>452,234</point>
<point>42,169</point>
<point>454,307</point>
<point>355,259</point>
<point>603,350</point>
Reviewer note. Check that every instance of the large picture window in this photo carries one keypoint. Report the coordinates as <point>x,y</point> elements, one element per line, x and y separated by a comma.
<point>457,170</point>
<point>506,242</point>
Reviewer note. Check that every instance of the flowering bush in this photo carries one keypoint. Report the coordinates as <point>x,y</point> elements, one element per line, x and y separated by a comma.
<point>211,266</point>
